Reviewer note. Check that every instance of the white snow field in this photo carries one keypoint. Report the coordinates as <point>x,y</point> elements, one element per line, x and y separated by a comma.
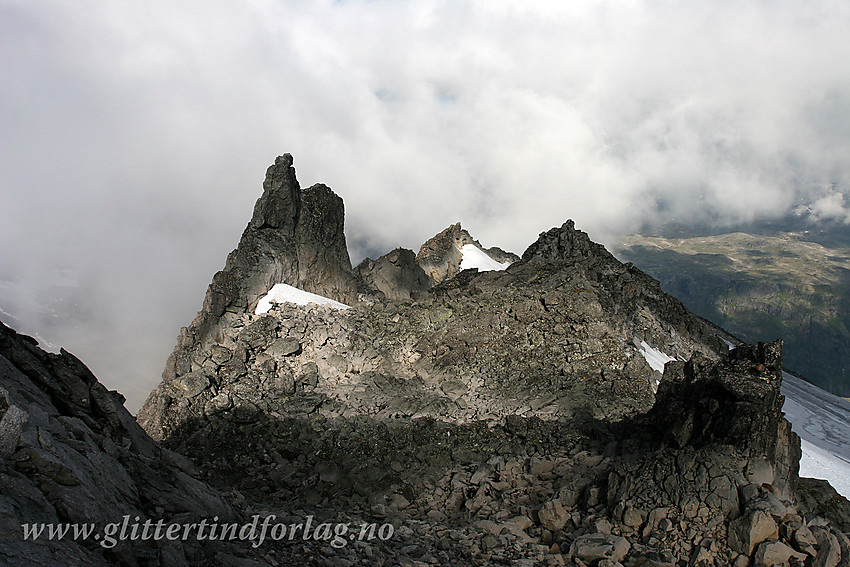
<point>822,420</point>
<point>284,293</point>
<point>474,257</point>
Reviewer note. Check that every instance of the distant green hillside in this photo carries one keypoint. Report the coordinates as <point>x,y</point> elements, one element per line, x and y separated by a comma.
<point>760,288</point>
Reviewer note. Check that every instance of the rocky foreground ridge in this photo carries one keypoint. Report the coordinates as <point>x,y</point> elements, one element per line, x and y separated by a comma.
<point>504,417</point>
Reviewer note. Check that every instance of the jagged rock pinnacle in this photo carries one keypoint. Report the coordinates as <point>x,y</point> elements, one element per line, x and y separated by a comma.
<point>278,206</point>
<point>294,237</point>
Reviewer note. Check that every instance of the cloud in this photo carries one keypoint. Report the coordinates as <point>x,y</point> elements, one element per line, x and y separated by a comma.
<point>136,135</point>
<point>831,206</point>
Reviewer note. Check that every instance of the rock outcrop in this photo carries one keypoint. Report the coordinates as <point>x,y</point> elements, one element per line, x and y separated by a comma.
<point>440,257</point>
<point>738,403</point>
<point>552,336</point>
<point>72,454</point>
<point>396,275</point>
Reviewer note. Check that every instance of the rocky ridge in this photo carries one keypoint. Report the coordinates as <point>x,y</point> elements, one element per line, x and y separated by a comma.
<point>705,478</point>
<point>506,417</point>
<point>559,332</point>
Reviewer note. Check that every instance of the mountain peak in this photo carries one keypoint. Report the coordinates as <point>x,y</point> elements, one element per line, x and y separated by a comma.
<point>441,256</point>
<point>295,237</point>
<point>565,243</point>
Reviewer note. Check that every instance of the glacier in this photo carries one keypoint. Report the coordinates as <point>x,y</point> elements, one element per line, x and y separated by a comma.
<point>822,420</point>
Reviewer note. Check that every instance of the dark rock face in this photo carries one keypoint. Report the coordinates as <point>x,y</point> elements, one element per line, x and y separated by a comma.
<point>294,237</point>
<point>726,460</point>
<point>71,453</point>
<point>738,404</point>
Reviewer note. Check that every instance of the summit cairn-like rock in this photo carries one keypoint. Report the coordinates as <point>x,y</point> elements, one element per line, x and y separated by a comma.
<point>566,243</point>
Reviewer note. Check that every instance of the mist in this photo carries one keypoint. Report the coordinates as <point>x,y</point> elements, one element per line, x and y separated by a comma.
<point>135,137</point>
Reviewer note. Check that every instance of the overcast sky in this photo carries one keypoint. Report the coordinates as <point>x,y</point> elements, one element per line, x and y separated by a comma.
<point>134,136</point>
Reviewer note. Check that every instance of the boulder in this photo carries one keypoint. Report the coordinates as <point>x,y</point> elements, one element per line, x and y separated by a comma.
<point>749,530</point>
<point>829,548</point>
<point>772,553</point>
<point>594,547</point>
<point>12,419</point>
<point>553,516</point>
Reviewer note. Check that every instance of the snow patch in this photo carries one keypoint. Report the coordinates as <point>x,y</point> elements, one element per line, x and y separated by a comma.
<point>474,257</point>
<point>283,293</point>
<point>818,463</point>
<point>654,357</point>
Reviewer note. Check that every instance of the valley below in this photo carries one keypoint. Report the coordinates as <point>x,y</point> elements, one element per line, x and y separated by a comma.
<point>762,287</point>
